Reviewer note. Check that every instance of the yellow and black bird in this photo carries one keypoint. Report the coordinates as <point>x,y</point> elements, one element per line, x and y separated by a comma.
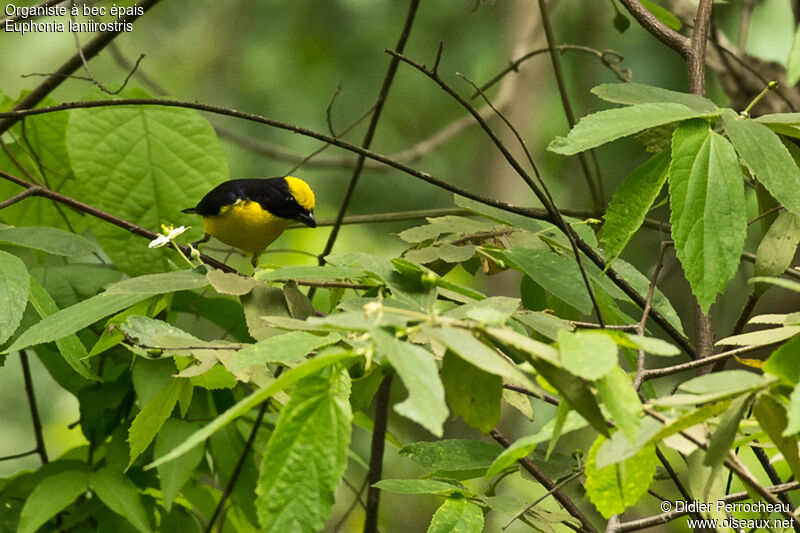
<point>250,214</point>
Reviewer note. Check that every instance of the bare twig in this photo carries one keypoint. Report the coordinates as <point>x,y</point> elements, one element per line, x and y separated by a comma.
<point>658,29</point>
<point>376,454</point>
<point>654,373</point>
<point>31,395</point>
<point>640,359</point>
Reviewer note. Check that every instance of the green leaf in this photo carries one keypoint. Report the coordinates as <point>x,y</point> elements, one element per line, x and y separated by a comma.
<point>708,210</point>
<point>76,317</point>
<point>174,475</point>
<point>558,274</point>
<point>728,380</point>
<point>771,416</point>
<point>662,14</point>
<point>622,401</point>
<point>14,288</point>
<point>616,487</point>
<point>452,454</point>
<point>612,124</point>
<point>229,283</point>
<point>722,439</point>
<point>472,394</point>
<point>317,273</point>
<point>244,405</point>
<point>263,301</point>
<point>417,368</point>
<point>590,355</point>
<point>306,456</point>
<point>417,486</point>
<point>631,202</point>
<point>760,337</point>
<point>285,348</point>
<point>777,249</point>
<point>793,413</point>
<point>651,345</point>
<point>457,515</point>
<point>522,447</point>
<point>148,422</point>
<point>477,353</point>
<point>793,62</point>
<point>785,361</point>
<point>160,283</point>
<point>50,240</point>
<point>764,153</point>
<point>641,284</point>
<point>52,495</point>
<point>121,496</point>
<point>70,346</point>
<point>142,164</point>
<point>638,93</point>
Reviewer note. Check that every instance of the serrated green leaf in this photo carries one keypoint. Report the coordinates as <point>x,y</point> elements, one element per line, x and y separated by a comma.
<point>771,416</point>
<point>285,380</point>
<point>417,368</point>
<point>558,274</point>
<point>466,346</point>
<point>590,355</point>
<point>777,249</point>
<point>622,401</point>
<point>69,346</point>
<point>708,210</point>
<point>67,321</point>
<point>162,282</point>
<point>764,153</point>
<point>522,447</point>
<point>285,348</point>
<point>174,475</point>
<point>785,361</point>
<point>50,240</point>
<point>616,487</point>
<point>70,283</point>
<point>14,288</point>
<point>452,454</point>
<point>142,164</point>
<point>457,515</point>
<point>306,456</point>
<point>148,422</point>
<point>472,394</point>
<point>631,202</point>
<point>443,226</point>
<point>121,496</point>
<point>417,486</point>
<point>51,495</point>
<point>612,124</point>
<point>638,93</point>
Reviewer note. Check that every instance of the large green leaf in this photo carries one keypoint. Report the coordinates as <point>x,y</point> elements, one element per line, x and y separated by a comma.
<point>285,348</point>
<point>785,361</point>
<point>771,416</point>
<point>121,496</point>
<point>638,93</point>
<point>14,287</point>
<point>631,202</point>
<point>452,454</point>
<point>417,486</point>
<point>622,402</point>
<point>306,456</point>
<point>616,487</point>
<point>472,394</point>
<point>777,249</point>
<point>175,474</point>
<point>50,240</point>
<point>457,515</point>
<point>148,422</point>
<point>417,368</point>
<point>764,153</point>
<point>708,211</point>
<point>142,164</point>
<point>50,496</point>
<point>587,354</point>
<point>606,126</point>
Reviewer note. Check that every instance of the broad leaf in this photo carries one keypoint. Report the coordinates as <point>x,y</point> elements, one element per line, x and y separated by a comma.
<point>720,443</point>
<point>771,416</point>
<point>418,486</point>
<point>622,401</point>
<point>452,454</point>
<point>285,348</point>
<point>417,368</point>
<point>306,456</point>
<point>631,202</point>
<point>121,496</point>
<point>612,124</point>
<point>472,394</point>
<point>148,422</point>
<point>764,153</point>
<point>708,211</point>
<point>785,361</point>
<point>14,286</point>
<point>590,355</point>
<point>50,240</point>
<point>51,495</point>
<point>777,248</point>
<point>457,515</point>
<point>637,93</point>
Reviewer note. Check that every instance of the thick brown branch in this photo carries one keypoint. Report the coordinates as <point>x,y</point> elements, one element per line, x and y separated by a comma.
<point>658,29</point>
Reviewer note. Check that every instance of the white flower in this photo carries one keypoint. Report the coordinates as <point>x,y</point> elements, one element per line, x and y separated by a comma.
<point>169,234</point>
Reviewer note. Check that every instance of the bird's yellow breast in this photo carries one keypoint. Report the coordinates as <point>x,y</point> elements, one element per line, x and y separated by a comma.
<point>246,226</point>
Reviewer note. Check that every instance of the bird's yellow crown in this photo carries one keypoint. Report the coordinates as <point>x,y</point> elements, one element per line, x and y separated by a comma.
<point>301,192</point>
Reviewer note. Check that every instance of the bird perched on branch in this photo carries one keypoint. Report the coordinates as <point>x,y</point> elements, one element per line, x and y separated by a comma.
<point>250,214</point>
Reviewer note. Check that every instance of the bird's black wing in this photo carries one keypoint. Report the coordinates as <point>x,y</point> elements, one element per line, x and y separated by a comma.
<point>272,193</point>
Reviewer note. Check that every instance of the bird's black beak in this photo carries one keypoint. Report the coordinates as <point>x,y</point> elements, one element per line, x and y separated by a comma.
<point>308,219</point>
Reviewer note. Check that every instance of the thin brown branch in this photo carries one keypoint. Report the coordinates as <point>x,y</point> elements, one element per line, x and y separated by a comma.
<point>91,49</point>
<point>547,483</point>
<point>370,134</point>
<point>654,373</point>
<point>640,359</point>
<point>656,28</point>
<point>35,418</point>
<point>375,472</point>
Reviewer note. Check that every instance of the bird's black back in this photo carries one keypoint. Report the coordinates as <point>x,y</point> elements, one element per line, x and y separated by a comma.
<point>271,193</point>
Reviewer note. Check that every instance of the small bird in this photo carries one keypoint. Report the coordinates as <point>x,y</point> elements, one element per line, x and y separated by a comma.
<point>250,214</point>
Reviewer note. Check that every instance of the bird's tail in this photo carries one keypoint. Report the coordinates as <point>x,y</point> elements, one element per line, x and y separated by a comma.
<point>190,210</point>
